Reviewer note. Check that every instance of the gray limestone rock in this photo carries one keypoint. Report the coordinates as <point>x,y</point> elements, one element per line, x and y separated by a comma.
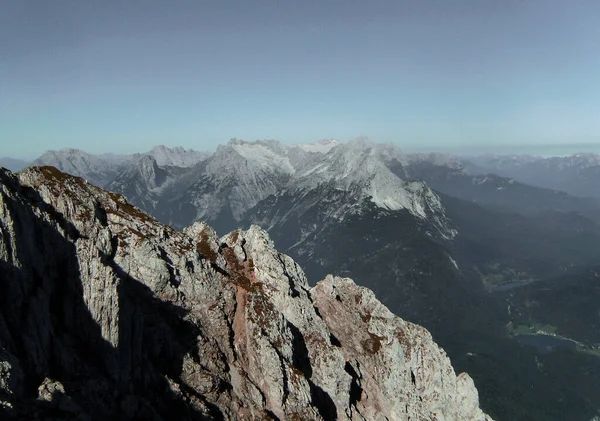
<point>106,313</point>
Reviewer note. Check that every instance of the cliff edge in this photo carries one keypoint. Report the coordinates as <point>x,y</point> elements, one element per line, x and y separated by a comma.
<point>107,314</point>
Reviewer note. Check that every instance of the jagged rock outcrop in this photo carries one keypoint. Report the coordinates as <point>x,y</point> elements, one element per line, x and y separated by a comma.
<point>107,314</point>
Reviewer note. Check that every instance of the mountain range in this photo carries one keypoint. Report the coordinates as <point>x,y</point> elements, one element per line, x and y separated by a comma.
<point>185,178</point>
<point>101,169</point>
<point>444,241</point>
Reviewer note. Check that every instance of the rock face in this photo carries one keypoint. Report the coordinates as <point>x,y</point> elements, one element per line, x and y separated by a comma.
<point>107,314</point>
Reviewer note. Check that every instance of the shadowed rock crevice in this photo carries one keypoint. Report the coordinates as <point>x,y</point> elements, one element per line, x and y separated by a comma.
<point>272,415</point>
<point>173,278</point>
<point>290,279</point>
<point>106,259</point>
<point>242,244</point>
<point>334,341</point>
<point>220,270</point>
<point>323,402</point>
<point>355,389</point>
<point>100,214</point>
<point>286,388</point>
<point>301,359</point>
<point>213,413</point>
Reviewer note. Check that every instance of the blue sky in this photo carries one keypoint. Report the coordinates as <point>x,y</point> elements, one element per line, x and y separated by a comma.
<point>124,75</point>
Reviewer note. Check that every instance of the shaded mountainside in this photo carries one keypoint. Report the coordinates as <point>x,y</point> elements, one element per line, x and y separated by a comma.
<point>107,314</point>
<point>502,247</point>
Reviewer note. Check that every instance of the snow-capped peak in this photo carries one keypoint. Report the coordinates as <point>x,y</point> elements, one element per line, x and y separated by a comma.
<point>322,146</point>
<point>357,166</point>
<point>263,154</point>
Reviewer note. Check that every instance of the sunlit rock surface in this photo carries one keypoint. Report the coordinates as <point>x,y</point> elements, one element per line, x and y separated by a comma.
<point>107,314</point>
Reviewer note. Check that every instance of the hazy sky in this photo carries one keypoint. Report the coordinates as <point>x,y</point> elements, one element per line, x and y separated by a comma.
<point>124,75</point>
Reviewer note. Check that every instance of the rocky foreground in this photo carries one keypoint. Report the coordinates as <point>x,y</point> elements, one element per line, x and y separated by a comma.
<point>107,314</point>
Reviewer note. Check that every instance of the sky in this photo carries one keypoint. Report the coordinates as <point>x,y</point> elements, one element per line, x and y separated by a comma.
<point>125,75</point>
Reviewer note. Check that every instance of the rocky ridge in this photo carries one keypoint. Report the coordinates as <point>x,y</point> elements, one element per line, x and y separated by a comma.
<point>107,313</point>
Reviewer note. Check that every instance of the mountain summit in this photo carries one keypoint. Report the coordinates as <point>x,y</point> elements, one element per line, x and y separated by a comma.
<point>358,166</point>
<point>106,313</point>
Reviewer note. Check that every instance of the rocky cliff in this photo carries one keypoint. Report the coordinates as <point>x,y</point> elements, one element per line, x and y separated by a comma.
<point>107,314</point>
